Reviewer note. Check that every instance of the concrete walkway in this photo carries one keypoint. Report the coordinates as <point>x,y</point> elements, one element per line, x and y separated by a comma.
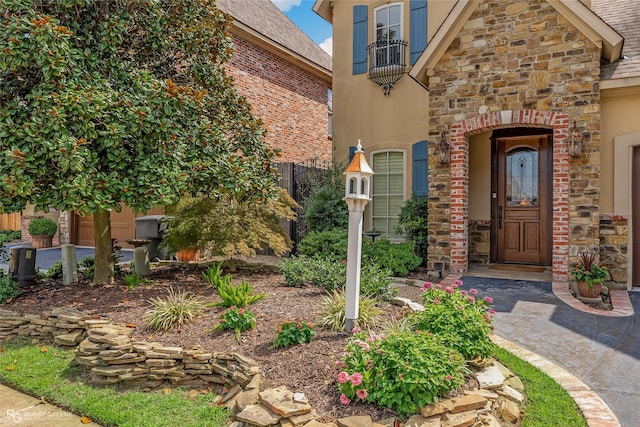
<point>17,409</point>
<point>601,351</point>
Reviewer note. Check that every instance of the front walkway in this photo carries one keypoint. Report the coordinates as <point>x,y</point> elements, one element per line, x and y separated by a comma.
<point>602,351</point>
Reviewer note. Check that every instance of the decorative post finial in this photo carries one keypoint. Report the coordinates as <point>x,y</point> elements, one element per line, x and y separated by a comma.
<point>359,147</point>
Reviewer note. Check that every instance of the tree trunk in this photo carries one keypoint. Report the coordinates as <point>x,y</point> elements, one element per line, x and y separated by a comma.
<point>104,258</point>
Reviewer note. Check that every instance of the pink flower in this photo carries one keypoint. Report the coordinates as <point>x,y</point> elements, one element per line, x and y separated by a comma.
<point>464,292</point>
<point>241,311</point>
<point>458,282</point>
<point>449,378</point>
<point>335,374</point>
<point>343,377</point>
<point>356,330</point>
<point>427,285</point>
<point>488,300</point>
<point>437,300</point>
<point>339,363</point>
<point>470,298</point>
<point>344,399</point>
<point>362,393</point>
<point>449,290</point>
<point>356,379</point>
<point>473,291</point>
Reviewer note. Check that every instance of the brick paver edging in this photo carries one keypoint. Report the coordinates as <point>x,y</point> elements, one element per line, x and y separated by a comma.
<point>594,409</point>
<point>619,300</point>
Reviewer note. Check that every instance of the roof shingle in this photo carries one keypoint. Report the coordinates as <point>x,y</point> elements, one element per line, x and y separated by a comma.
<point>265,18</point>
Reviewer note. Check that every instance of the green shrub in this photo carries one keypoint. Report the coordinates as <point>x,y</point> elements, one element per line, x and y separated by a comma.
<point>132,280</point>
<point>324,207</point>
<point>42,227</point>
<point>238,319</point>
<point>213,275</point>
<point>9,236</point>
<point>238,296</point>
<point>8,288</point>
<point>330,274</point>
<point>399,258</point>
<point>403,371</point>
<point>414,225</point>
<point>325,244</point>
<point>463,320</point>
<point>87,264</point>
<point>296,270</point>
<point>176,310</point>
<point>332,314</point>
<point>55,271</point>
<point>293,333</point>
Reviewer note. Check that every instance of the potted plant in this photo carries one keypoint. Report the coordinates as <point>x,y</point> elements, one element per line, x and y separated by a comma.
<point>42,231</point>
<point>589,275</point>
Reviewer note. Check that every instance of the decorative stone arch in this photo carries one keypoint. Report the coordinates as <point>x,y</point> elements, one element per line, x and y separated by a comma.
<point>459,204</point>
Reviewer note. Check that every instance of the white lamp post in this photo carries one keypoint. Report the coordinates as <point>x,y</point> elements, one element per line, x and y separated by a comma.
<point>357,189</point>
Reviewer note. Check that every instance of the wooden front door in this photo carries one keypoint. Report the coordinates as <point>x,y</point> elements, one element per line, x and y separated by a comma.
<point>521,207</point>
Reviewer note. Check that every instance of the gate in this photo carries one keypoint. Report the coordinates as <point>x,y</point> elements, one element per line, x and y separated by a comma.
<point>298,179</point>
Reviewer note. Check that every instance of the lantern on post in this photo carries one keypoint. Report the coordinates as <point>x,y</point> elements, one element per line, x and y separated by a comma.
<point>357,190</point>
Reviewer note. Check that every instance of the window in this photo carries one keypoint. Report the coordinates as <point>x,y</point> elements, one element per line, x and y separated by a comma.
<point>388,32</point>
<point>388,191</point>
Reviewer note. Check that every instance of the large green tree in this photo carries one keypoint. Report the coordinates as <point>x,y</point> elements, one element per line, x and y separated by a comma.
<point>110,101</point>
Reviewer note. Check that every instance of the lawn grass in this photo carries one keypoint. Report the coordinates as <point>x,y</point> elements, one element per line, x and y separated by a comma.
<point>53,375</point>
<point>547,404</point>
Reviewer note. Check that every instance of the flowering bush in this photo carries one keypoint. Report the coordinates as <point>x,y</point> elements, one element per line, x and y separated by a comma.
<point>238,319</point>
<point>460,317</point>
<point>292,333</point>
<point>403,371</point>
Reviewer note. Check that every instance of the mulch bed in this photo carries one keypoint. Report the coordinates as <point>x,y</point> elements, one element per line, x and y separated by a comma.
<point>308,368</point>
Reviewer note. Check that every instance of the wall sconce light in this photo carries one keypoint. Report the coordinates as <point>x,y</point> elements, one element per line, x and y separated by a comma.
<point>443,149</point>
<point>575,141</point>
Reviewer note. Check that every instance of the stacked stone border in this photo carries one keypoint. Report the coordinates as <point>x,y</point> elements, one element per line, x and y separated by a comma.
<point>111,356</point>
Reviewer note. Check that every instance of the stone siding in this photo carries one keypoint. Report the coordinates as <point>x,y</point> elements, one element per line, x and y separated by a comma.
<point>614,234</point>
<point>516,57</point>
<point>479,242</point>
<point>113,357</point>
<point>291,101</point>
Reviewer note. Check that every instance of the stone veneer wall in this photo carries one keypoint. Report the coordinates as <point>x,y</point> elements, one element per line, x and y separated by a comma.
<point>112,357</point>
<point>614,234</point>
<point>518,56</point>
<point>479,241</point>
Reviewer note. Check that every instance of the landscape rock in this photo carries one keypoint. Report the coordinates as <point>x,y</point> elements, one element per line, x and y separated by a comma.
<point>418,420</point>
<point>511,394</point>
<point>280,401</point>
<point>468,402</point>
<point>490,377</point>
<point>355,421</point>
<point>460,419</point>
<point>509,410</point>
<point>258,415</point>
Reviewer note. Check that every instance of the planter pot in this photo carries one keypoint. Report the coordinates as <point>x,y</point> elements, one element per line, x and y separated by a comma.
<point>189,254</point>
<point>589,292</point>
<point>41,242</point>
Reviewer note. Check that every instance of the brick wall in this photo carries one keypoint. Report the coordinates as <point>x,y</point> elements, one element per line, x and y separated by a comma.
<point>291,101</point>
<point>524,59</point>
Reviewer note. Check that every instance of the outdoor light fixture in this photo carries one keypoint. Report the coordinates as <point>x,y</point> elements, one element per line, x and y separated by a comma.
<point>443,149</point>
<point>575,141</point>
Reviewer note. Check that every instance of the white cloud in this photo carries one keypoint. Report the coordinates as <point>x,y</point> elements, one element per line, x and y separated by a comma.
<point>327,46</point>
<point>286,5</point>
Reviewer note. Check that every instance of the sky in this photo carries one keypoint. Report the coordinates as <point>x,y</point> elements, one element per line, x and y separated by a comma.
<point>300,12</point>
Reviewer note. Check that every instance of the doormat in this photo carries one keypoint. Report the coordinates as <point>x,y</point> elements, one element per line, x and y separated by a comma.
<point>517,267</point>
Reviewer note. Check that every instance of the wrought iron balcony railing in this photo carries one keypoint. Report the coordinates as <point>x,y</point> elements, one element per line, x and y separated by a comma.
<point>387,62</point>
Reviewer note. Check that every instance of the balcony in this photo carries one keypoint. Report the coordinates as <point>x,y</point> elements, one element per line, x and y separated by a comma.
<point>387,62</point>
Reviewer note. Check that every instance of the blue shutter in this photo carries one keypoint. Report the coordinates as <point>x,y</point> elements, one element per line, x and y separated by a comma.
<point>360,30</point>
<point>417,28</point>
<point>420,179</point>
<point>352,152</point>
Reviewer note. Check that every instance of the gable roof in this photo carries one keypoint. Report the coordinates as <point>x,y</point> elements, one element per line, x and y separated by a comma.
<point>263,23</point>
<point>583,18</point>
<point>624,16</point>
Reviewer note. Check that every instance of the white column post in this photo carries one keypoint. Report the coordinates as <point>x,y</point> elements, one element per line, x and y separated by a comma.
<point>354,253</point>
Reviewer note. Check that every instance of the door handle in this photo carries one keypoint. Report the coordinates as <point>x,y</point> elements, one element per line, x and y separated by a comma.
<point>499,216</point>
